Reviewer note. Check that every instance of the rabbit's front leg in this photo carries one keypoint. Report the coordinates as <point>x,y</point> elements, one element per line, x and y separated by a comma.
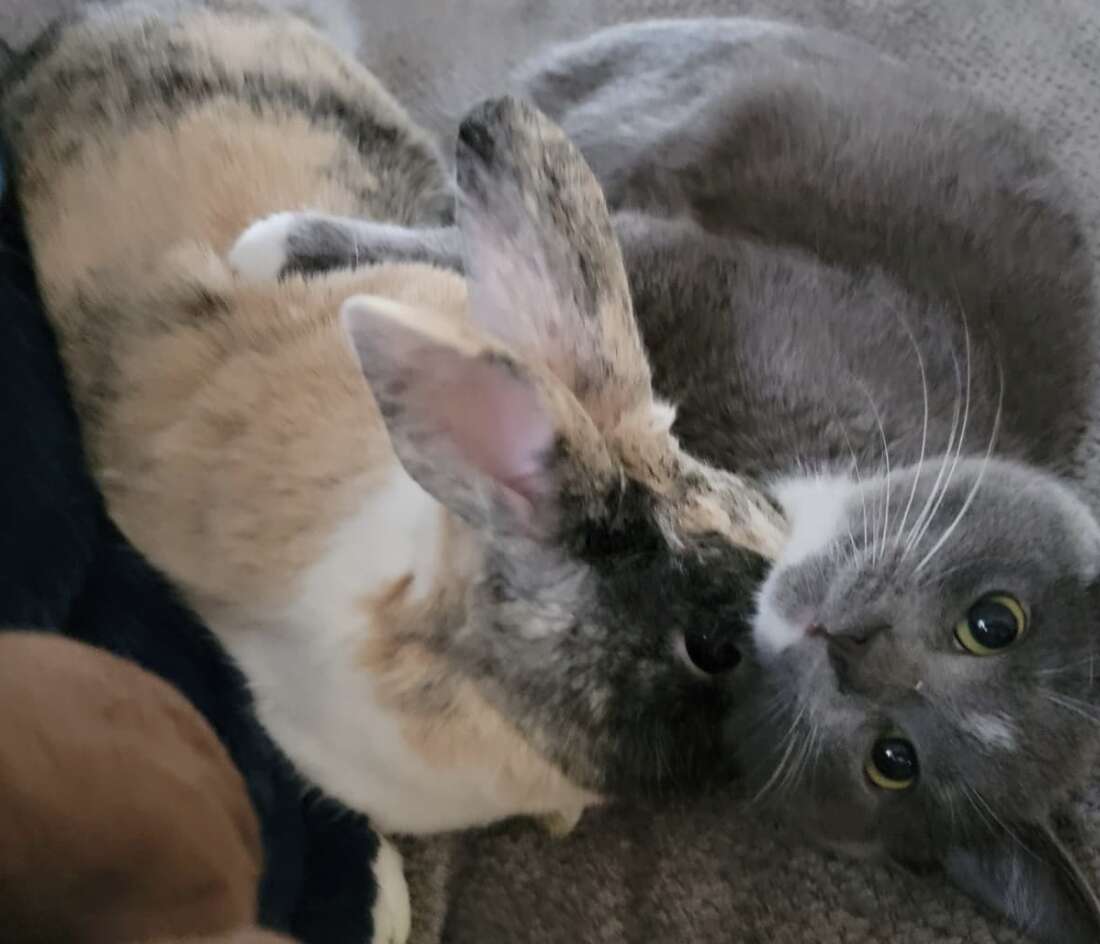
<point>309,243</point>
<point>391,915</point>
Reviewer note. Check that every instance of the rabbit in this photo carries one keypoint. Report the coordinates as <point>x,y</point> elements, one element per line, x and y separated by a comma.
<point>440,523</point>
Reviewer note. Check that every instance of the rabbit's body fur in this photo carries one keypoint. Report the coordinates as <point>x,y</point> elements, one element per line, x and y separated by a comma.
<point>428,626</point>
<point>277,548</point>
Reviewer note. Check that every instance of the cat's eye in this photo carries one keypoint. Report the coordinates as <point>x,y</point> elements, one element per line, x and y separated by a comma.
<point>994,623</point>
<point>892,763</point>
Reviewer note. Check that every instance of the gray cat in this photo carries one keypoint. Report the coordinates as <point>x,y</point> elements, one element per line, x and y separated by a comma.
<point>873,293</point>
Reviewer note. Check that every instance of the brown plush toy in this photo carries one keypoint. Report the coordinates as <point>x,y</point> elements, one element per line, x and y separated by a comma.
<point>122,818</point>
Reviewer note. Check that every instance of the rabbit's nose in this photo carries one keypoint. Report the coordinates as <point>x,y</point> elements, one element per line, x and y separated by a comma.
<point>712,649</point>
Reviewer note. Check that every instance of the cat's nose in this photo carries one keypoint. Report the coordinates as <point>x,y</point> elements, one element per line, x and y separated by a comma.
<point>847,650</point>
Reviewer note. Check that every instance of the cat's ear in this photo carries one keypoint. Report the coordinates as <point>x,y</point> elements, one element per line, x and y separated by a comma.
<point>467,420</point>
<point>545,271</point>
<point>1029,877</point>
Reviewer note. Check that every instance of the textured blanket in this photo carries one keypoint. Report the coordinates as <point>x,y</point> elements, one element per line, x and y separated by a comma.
<point>708,873</point>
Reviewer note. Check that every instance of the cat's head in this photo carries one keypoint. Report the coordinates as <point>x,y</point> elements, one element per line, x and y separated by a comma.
<point>615,573</point>
<point>930,638</point>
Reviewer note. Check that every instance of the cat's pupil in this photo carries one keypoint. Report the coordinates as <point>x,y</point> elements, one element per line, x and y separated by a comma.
<point>992,624</point>
<point>896,759</point>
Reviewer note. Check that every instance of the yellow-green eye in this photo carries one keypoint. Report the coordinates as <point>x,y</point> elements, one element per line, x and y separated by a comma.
<point>892,764</point>
<point>994,623</point>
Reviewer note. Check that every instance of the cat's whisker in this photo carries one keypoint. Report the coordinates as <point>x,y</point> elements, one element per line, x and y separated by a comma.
<point>1073,705</point>
<point>816,745</point>
<point>924,425</point>
<point>813,754</point>
<point>859,478</point>
<point>982,815</point>
<point>977,481</point>
<point>786,745</point>
<point>794,775</point>
<point>796,770</point>
<point>961,442</point>
<point>948,799</point>
<point>940,575</point>
<point>958,446</point>
<point>878,547</point>
<point>783,783</point>
<point>851,538</point>
<point>1068,667</point>
<point>990,561</point>
<point>990,817</point>
<point>770,710</point>
<point>918,525</point>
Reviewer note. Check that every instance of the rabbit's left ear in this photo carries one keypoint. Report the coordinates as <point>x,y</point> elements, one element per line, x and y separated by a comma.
<point>545,272</point>
<point>1026,875</point>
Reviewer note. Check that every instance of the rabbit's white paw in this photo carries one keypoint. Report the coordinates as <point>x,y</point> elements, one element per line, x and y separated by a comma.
<point>260,252</point>
<point>392,915</point>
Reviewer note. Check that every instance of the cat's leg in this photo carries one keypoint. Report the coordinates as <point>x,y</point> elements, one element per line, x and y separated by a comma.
<point>309,243</point>
<point>391,915</point>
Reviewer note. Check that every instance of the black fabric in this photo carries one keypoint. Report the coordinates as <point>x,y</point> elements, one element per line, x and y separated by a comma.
<point>65,567</point>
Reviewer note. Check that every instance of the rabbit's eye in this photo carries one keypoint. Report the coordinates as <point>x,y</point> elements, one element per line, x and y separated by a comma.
<point>712,649</point>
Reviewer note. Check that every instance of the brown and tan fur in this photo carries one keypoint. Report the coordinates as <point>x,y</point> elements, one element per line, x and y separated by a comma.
<point>496,650</point>
<point>124,817</point>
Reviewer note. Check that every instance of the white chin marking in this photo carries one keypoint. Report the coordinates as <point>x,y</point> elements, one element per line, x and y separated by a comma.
<point>260,252</point>
<point>391,915</point>
<point>817,508</point>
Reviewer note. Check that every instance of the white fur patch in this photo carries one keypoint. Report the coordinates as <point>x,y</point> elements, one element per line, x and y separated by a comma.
<point>392,914</point>
<point>664,414</point>
<point>260,252</point>
<point>771,631</point>
<point>817,508</point>
<point>994,731</point>
<point>305,665</point>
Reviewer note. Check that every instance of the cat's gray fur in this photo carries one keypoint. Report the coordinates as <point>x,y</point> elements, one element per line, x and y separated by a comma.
<point>845,224</point>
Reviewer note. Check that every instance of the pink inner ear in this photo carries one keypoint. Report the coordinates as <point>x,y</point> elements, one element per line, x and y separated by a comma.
<point>499,426</point>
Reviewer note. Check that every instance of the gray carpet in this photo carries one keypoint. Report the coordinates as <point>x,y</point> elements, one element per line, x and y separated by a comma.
<point>710,874</point>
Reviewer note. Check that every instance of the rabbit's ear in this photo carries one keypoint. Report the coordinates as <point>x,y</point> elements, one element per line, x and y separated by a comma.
<point>467,420</point>
<point>545,271</point>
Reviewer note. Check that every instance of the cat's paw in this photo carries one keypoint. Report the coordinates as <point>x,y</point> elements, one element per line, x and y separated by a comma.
<point>392,913</point>
<point>260,253</point>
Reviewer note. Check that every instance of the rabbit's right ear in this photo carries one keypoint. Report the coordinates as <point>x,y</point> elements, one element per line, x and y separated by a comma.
<point>467,420</point>
<point>545,272</point>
